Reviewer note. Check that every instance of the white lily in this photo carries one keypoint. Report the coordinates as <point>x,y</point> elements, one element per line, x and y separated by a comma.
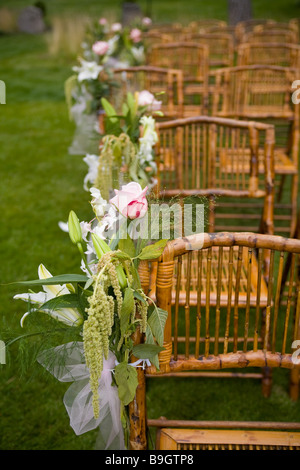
<point>89,70</point>
<point>138,53</point>
<point>147,140</point>
<point>93,162</point>
<point>99,204</point>
<point>69,316</point>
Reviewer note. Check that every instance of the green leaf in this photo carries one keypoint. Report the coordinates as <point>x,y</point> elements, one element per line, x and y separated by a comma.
<point>156,322</point>
<point>62,301</point>
<point>153,251</point>
<point>146,351</point>
<point>136,278</point>
<point>127,245</point>
<point>121,255</point>
<point>131,104</point>
<point>127,382</point>
<point>150,340</point>
<point>61,279</point>
<point>126,311</point>
<point>138,296</point>
<point>109,110</point>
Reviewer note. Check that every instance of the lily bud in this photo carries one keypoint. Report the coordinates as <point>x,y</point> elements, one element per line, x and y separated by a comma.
<point>74,228</point>
<point>100,245</point>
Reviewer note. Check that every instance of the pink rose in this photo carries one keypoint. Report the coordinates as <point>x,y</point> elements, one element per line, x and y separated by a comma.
<point>145,98</point>
<point>131,201</point>
<point>100,47</point>
<point>136,35</point>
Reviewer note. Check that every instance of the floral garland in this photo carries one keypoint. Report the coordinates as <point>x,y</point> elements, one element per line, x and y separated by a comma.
<point>105,305</point>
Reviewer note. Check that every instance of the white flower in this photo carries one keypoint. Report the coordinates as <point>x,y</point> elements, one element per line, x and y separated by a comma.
<point>92,266</point>
<point>85,228</point>
<point>89,70</point>
<point>98,203</point>
<point>148,139</point>
<point>115,27</point>
<point>138,53</point>
<point>92,161</point>
<point>69,316</point>
<point>112,43</point>
<point>63,226</point>
<point>107,228</point>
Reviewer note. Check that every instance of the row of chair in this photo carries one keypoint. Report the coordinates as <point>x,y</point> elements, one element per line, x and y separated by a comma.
<point>232,293</point>
<point>249,93</point>
<point>244,31</point>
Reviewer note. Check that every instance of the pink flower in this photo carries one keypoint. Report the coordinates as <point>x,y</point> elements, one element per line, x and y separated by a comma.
<point>103,21</point>
<point>131,201</point>
<point>145,98</point>
<point>136,35</point>
<point>115,27</point>
<point>146,21</point>
<point>100,47</point>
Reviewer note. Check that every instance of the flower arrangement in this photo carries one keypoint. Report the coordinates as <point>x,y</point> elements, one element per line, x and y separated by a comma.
<point>105,48</point>
<point>127,149</point>
<point>104,306</point>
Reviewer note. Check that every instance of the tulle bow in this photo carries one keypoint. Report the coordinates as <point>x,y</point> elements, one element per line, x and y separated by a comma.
<point>67,364</point>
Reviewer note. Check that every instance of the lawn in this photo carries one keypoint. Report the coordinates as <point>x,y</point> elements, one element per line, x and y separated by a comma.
<point>40,183</point>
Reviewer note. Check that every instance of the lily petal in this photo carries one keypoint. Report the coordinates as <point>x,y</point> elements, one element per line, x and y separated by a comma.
<point>54,290</point>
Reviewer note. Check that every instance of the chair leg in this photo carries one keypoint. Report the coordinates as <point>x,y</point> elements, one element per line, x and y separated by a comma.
<point>280,190</point>
<point>137,415</point>
<point>294,197</point>
<point>266,382</point>
<point>294,384</point>
<point>266,371</point>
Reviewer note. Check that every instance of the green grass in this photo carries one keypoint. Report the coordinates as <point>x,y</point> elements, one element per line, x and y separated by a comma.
<point>40,184</point>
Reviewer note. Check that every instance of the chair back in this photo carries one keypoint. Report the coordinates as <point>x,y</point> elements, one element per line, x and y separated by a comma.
<point>224,303</point>
<point>284,55</point>
<point>190,57</point>
<point>165,84</point>
<point>219,159</point>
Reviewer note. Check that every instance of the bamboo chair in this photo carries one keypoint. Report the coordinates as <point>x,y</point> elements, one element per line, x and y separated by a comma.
<point>273,35</point>
<point>245,27</point>
<point>203,26</point>
<point>291,269</point>
<point>167,83</point>
<point>155,37</point>
<point>193,155</point>
<point>220,54</point>
<point>230,436</point>
<point>263,93</point>
<point>231,338</point>
<point>171,29</point>
<point>192,59</point>
<point>221,47</point>
<point>277,27</point>
<point>197,157</point>
<point>283,55</point>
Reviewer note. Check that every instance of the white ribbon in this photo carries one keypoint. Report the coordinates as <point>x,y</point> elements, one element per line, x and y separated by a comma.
<point>144,362</point>
<point>67,364</point>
